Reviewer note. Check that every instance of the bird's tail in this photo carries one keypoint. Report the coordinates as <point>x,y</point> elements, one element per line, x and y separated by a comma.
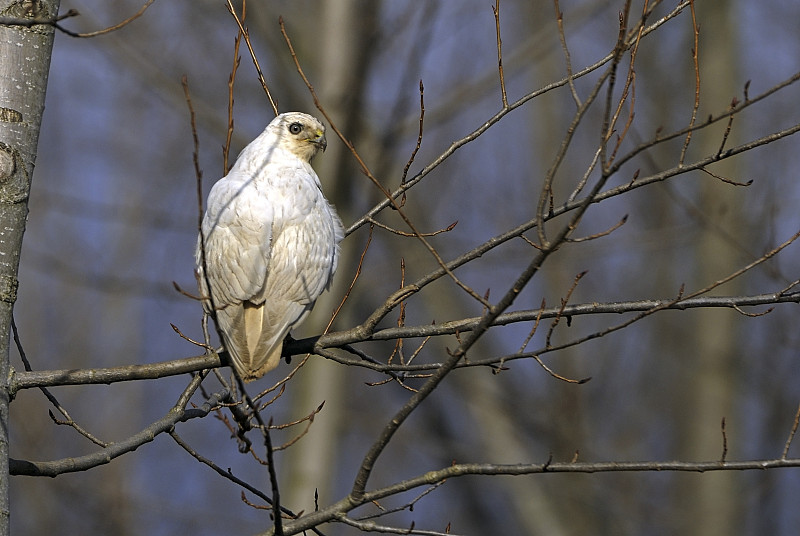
<point>254,334</point>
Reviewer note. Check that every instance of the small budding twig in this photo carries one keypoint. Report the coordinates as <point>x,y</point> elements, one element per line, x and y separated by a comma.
<point>726,181</point>
<point>419,140</point>
<point>732,110</point>
<point>281,383</point>
<point>752,315</point>
<point>791,434</point>
<point>628,89</point>
<point>564,302</point>
<point>696,106</point>
<point>401,318</point>
<point>496,11</point>
<point>532,331</point>
<point>112,28</point>
<point>237,60</point>
<point>557,376</point>
<point>398,232</point>
<point>724,442</point>
<point>74,13</point>
<point>568,60</point>
<point>607,232</point>
<point>203,345</point>
<point>353,282</point>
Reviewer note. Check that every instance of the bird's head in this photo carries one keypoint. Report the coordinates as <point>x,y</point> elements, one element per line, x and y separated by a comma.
<point>299,133</point>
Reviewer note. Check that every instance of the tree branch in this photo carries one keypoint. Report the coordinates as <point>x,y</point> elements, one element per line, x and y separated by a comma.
<point>350,502</point>
<point>177,414</point>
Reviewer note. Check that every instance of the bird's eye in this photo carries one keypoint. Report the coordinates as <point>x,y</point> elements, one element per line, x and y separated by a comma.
<point>295,128</point>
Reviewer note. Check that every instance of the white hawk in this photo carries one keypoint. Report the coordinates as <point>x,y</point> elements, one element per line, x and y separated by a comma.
<point>271,243</point>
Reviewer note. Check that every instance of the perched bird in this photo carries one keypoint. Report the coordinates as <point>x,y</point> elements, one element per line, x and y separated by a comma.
<point>271,243</point>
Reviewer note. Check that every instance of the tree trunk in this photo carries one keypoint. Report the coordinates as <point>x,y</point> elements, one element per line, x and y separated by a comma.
<point>311,463</point>
<point>714,506</point>
<point>24,66</point>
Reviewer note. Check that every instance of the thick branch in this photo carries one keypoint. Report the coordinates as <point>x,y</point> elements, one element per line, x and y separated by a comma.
<point>50,378</point>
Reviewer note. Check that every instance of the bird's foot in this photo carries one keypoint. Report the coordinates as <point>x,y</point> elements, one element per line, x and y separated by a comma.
<point>287,340</point>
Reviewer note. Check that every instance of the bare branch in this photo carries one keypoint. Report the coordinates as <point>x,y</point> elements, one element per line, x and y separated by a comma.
<point>50,396</point>
<point>724,442</point>
<point>601,234</point>
<point>457,470</point>
<point>237,60</point>
<point>496,11</point>
<point>177,414</point>
<point>10,21</point>
<point>47,378</point>
<point>791,434</point>
<point>567,59</point>
<point>372,178</point>
<point>696,106</point>
<point>419,139</point>
<point>496,118</point>
<point>246,35</point>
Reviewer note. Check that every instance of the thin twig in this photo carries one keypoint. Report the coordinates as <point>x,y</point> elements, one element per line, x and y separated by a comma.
<point>353,281</point>
<point>401,317</point>
<point>270,462</point>
<point>559,376</point>
<point>56,404</point>
<point>696,62</point>
<point>246,35</point>
<point>729,126</point>
<point>198,173</point>
<point>533,330</point>
<point>564,302</point>
<point>178,413</point>
<point>497,117</point>
<point>725,180</point>
<point>228,475</point>
<point>371,526</point>
<point>496,11</point>
<point>791,434</point>
<point>188,339</point>
<point>110,28</point>
<point>724,442</point>
<point>7,21</point>
<point>419,141</point>
<point>628,89</point>
<point>563,38</point>
<point>607,232</point>
<point>364,169</point>
<point>237,60</point>
<point>398,232</point>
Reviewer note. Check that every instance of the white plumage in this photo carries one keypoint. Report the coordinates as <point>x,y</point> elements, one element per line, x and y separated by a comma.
<point>271,243</point>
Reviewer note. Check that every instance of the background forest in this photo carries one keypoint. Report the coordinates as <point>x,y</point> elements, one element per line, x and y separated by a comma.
<point>113,223</point>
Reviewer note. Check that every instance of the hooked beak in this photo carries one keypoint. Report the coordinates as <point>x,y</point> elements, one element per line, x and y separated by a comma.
<point>320,141</point>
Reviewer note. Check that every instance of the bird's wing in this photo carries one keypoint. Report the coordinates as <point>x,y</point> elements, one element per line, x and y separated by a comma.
<point>314,244</point>
<point>238,232</point>
<point>302,257</point>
